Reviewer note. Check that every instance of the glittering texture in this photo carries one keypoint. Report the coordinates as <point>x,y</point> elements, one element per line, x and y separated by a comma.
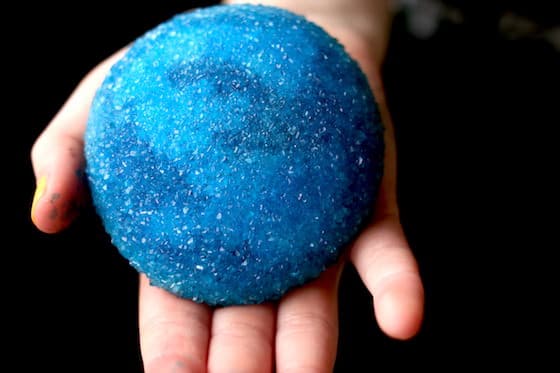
<point>233,153</point>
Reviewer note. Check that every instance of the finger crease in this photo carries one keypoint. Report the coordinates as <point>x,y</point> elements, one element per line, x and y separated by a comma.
<point>304,322</point>
<point>241,330</point>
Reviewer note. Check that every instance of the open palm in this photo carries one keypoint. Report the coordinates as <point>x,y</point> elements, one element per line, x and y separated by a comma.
<point>299,333</point>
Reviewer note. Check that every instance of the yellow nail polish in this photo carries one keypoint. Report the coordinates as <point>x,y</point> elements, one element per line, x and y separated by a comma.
<point>39,191</point>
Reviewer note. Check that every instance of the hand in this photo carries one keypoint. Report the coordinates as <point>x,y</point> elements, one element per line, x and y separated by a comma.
<point>298,333</point>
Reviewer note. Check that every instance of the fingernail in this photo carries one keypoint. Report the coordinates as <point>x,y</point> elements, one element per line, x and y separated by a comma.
<point>39,192</point>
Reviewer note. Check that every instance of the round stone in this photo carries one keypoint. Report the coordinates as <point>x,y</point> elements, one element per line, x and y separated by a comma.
<point>233,153</point>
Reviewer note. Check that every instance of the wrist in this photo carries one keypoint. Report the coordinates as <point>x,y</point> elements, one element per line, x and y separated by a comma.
<point>361,25</point>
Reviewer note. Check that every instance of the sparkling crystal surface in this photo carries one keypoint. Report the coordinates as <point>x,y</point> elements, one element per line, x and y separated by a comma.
<point>233,153</point>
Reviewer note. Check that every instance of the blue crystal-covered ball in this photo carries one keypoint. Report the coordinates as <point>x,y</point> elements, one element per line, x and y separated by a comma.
<point>233,153</point>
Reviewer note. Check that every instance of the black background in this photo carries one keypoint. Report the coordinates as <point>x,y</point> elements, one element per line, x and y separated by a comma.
<point>474,113</point>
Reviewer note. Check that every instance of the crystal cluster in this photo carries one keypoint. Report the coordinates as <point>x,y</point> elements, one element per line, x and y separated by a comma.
<point>233,153</point>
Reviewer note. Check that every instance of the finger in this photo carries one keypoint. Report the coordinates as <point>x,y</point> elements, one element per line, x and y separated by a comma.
<point>307,331</point>
<point>57,157</point>
<point>174,332</point>
<point>387,267</point>
<point>60,187</point>
<point>242,339</point>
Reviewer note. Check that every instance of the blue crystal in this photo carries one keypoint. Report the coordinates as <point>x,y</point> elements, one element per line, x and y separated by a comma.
<point>233,153</point>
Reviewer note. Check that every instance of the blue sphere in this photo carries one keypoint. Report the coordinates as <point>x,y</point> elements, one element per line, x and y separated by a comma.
<point>233,153</point>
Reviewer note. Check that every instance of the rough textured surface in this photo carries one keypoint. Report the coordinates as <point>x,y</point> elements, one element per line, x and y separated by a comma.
<point>233,153</point>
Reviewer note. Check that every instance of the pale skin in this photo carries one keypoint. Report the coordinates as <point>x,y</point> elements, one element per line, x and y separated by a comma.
<point>299,333</point>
